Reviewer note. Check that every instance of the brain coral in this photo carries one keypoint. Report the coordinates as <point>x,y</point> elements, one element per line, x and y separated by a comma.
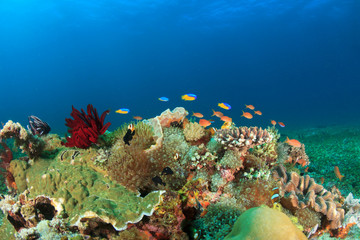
<point>193,131</point>
<point>263,223</point>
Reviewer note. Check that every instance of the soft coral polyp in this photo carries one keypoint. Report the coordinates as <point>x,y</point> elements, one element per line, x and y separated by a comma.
<point>85,129</point>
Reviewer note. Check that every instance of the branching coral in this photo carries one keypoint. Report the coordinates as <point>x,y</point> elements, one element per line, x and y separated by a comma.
<point>243,138</point>
<point>85,128</point>
<point>28,143</point>
<point>299,192</point>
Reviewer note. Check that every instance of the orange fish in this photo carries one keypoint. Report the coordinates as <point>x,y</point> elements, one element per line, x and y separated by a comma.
<point>198,115</point>
<point>137,118</point>
<point>205,123</point>
<point>212,131</point>
<point>302,162</point>
<point>322,180</point>
<point>218,114</point>
<point>247,115</point>
<point>281,124</point>
<point>306,169</point>
<point>258,113</point>
<point>275,195</point>
<point>226,119</point>
<point>273,122</point>
<point>250,107</point>
<point>337,172</point>
<point>293,142</point>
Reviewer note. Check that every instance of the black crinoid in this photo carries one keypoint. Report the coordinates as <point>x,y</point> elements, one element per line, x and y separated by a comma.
<point>37,126</point>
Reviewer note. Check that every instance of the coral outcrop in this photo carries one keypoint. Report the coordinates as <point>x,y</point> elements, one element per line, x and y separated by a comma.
<point>299,192</point>
<point>243,138</point>
<point>28,143</point>
<point>85,128</point>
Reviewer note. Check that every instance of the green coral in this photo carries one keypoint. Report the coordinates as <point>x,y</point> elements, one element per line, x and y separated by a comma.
<point>81,192</point>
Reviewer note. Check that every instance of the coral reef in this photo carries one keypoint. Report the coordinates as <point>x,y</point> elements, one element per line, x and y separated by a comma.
<point>85,128</point>
<point>172,180</point>
<point>28,143</point>
<point>264,223</point>
<point>299,192</point>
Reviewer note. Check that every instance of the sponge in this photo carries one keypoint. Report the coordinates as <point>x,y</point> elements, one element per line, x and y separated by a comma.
<point>263,223</point>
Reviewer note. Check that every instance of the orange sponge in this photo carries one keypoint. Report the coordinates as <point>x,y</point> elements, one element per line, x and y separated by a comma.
<point>263,223</point>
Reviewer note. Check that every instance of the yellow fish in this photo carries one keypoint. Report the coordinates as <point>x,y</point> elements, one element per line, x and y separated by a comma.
<point>224,106</point>
<point>123,111</point>
<point>188,97</point>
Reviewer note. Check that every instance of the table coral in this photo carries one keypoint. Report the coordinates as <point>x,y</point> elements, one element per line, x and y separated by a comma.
<point>298,192</point>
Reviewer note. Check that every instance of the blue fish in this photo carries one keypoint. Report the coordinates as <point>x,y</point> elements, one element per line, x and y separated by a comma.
<point>163,99</point>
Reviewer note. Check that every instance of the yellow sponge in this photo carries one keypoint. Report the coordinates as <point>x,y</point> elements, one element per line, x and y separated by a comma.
<point>263,223</point>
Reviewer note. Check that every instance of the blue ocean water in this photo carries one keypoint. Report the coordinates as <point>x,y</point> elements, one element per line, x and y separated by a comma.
<point>296,61</point>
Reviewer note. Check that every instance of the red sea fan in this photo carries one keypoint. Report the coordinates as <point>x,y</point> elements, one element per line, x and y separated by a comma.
<point>85,128</point>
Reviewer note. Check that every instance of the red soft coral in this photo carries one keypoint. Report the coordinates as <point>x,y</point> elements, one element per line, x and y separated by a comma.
<point>85,128</point>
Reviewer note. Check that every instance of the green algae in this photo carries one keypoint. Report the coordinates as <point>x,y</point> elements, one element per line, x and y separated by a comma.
<point>78,191</point>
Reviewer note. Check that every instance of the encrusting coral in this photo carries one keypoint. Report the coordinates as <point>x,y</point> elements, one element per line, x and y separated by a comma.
<point>81,193</point>
<point>298,192</point>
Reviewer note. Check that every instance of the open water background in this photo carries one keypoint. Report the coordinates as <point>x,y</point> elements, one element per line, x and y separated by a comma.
<point>296,61</point>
